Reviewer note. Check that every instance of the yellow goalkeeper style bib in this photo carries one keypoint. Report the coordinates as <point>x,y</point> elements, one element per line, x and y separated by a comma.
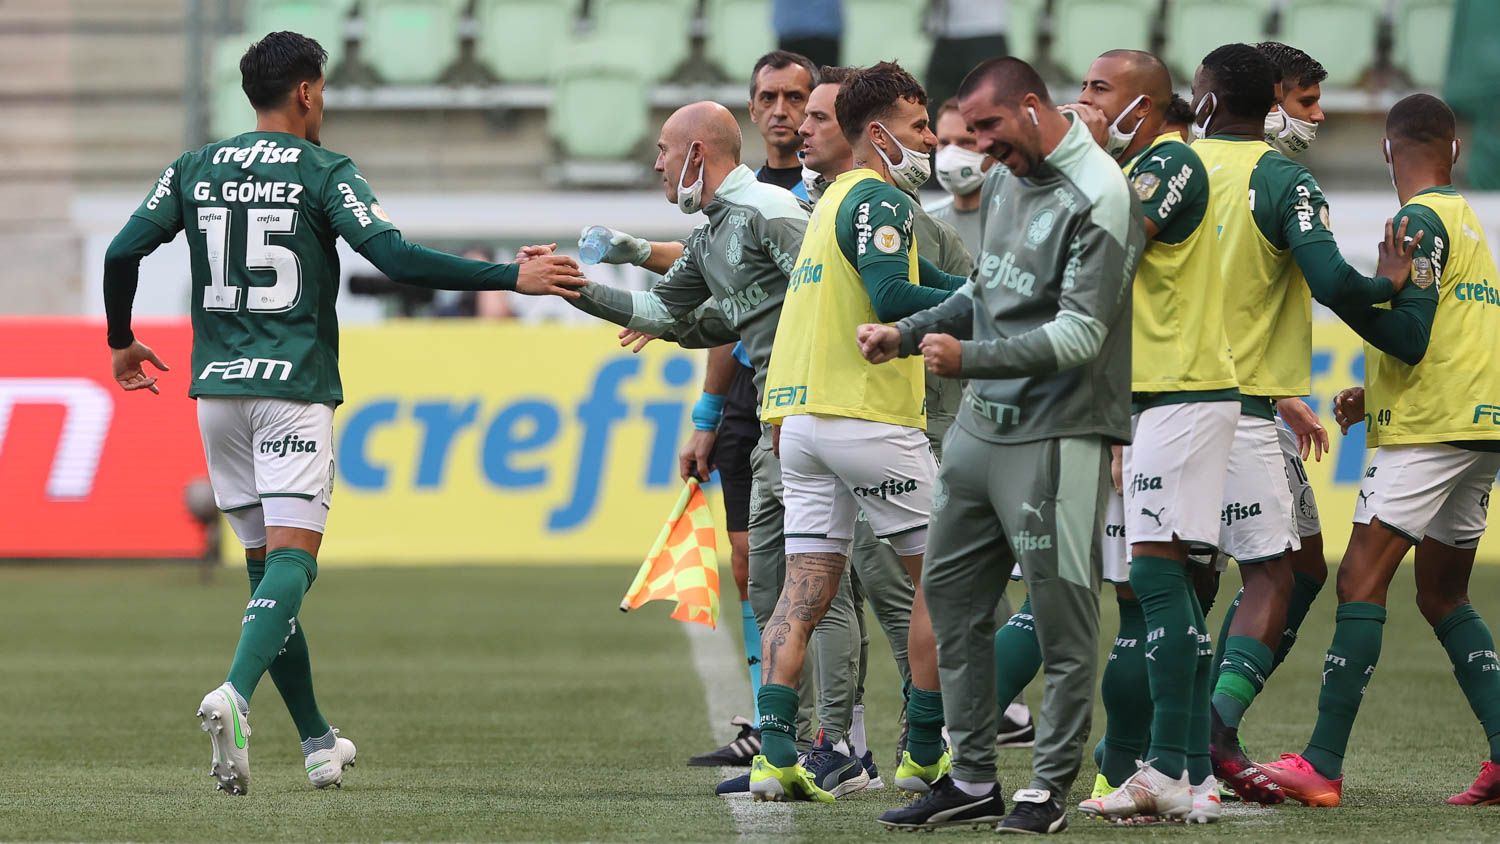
<point>816,366</point>
<point>1267,305</point>
<point>1453,393</point>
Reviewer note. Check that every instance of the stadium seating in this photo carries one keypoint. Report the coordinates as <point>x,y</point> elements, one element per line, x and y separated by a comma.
<point>886,30</point>
<point>598,111</point>
<point>1421,35</point>
<point>322,20</point>
<point>1082,29</point>
<point>534,58</point>
<point>410,41</point>
<point>229,112</point>
<point>1196,27</point>
<point>651,35</point>
<point>1022,20</point>
<point>1339,33</point>
<point>737,32</point>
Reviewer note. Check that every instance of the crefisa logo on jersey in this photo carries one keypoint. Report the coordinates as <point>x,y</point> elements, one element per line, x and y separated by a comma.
<point>359,209</point>
<point>163,189</point>
<point>268,152</point>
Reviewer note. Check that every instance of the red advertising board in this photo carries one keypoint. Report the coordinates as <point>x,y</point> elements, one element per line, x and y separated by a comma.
<point>87,469</point>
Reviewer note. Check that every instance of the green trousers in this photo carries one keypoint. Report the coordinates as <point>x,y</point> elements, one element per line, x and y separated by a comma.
<point>1038,503</point>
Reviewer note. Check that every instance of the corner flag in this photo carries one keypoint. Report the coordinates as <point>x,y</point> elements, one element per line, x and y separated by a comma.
<point>683,564</point>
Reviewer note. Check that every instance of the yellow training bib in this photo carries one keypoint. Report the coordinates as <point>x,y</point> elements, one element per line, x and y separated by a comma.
<point>1453,393</point>
<point>816,366</point>
<point>1267,305</point>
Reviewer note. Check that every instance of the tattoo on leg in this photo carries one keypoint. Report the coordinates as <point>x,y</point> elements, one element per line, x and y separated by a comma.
<point>811,582</point>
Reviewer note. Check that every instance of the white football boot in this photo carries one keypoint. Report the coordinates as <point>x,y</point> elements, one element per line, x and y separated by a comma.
<point>1207,807</point>
<point>326,767</point>
<point>1148,793</point>
<point>229,730</point>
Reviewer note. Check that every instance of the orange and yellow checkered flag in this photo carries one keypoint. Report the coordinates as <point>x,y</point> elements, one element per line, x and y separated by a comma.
<point>683,564</point>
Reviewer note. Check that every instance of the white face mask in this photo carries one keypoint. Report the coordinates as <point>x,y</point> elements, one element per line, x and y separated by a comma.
<point>690,197</point>
<point>1118,141</point>
<point>915,167</point>
<point>813,183</point>
<point>959,170</point>
<point>1288,134</point>
<point>1201,120</point>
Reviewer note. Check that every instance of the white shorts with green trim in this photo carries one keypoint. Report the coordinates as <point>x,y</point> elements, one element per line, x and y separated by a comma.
<point>1304,503</point>
<point>1116,551</point>
<point>1256,521</point>
<point>274,456</point>
<point>832,467</point>
<point>1174,472</point>
<point>1431,490</point>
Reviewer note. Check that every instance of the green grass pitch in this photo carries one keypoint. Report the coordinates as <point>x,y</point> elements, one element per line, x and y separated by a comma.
<point>517,704</point>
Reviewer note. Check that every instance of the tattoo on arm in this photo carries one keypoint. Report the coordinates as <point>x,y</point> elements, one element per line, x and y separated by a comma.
<point>812,580</point>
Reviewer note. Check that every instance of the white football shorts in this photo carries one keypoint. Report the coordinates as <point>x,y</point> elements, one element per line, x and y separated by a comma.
<point>1304,503</point>
<point>832,467</point>
<point>1256,522</point>
<point>270,462</point>
<point>1429,490</point>
<point>1174,472</point>
<point>1116,551</point>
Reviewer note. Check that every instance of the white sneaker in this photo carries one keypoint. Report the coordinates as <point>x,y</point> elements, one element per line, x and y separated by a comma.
<point>326,767</point>
<point>1148,792</point>
<point>1206,805</point>
<point>229,730</point>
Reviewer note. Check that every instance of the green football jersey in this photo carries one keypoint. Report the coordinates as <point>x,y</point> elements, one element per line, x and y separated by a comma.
<point>262,211</point>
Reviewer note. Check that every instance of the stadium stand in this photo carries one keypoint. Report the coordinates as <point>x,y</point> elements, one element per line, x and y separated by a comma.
<point>532,59</point>
<point>1422,33</point>
<point>652,35</point>
<point>885,30</point>
<point>736,33</point>
<point>326,21</point>
<point>411,41</point>
<point>1023,21</point>
<point>1350,55</point>
<point>1190,28</point>
<point>1082,29</point>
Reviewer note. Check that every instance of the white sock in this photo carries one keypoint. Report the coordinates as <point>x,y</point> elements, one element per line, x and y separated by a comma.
<point>1019,713</point>
<point>974,789</point>
<point>841,747</point>
<point>857,731</point>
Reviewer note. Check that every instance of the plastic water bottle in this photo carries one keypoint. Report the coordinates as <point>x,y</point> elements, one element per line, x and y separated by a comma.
<point>594,244</point>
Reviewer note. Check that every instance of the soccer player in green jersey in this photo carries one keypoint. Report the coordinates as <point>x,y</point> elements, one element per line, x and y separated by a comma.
<point>262,211</point>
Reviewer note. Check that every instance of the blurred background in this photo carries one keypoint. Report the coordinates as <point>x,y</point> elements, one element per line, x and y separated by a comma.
<point>487,124</point>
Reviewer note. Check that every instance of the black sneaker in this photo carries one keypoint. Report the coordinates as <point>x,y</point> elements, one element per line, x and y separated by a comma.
<point>737,753</point>
<point>868,760</point>
<point>734,785</point>
<point>1012,733</point>
<point>947,805</point>
<point>1036,812</point>
<point>834,772</point>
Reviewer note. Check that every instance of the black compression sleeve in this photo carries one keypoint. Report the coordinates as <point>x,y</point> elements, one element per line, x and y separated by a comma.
<point>122,265</point>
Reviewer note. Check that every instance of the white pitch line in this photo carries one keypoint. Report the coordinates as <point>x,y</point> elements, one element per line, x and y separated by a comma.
<point>726,691</point>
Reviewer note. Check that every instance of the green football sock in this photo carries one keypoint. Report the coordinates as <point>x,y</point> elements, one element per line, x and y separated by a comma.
<point>1242,674</point>
<point>1305,589</point>
<point>1224,636</point>
<point>268,621</point>
<point>1471,649</point>
<point>291,671</point>
<point>924,722</point>
<point>1128,712</point>
<point>1200,725</point>
<point>1165,593</point>
<point>1347,668</point>
<point>778,724</point>
<point>1018,657</point>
